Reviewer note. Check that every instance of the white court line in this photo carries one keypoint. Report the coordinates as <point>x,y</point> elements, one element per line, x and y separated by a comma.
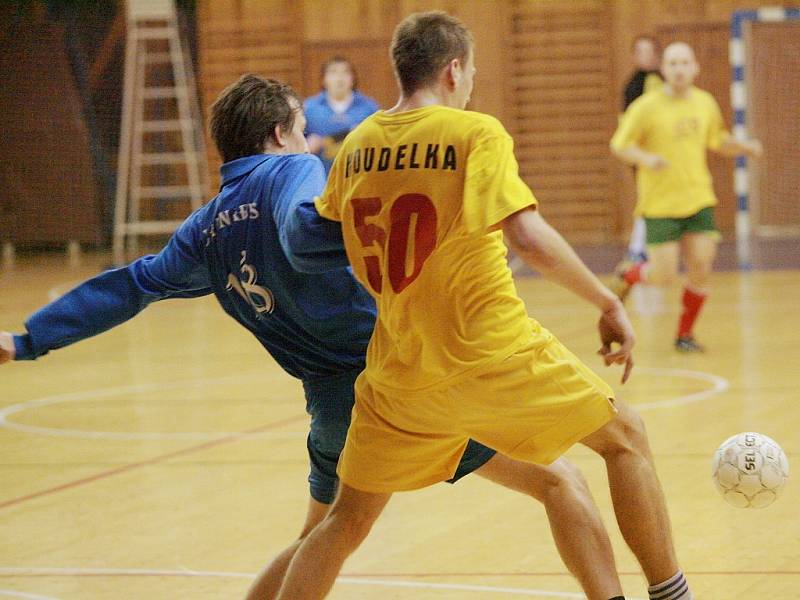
<point>16,594</point>
<point>718,385</point>
<point>465,587</point>
<point>78,571</point>
<point>7,411</point>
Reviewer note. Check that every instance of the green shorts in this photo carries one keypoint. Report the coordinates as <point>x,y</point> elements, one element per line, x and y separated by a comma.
<point>660,231</point>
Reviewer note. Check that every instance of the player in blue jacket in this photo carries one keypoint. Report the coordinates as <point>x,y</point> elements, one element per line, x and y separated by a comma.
<point>336,110</point>
<point>252,247</point>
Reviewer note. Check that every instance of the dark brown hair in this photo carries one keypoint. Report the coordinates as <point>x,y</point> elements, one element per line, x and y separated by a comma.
<point>423,43</point>
<point>338,59</point>
<point>246,113</point>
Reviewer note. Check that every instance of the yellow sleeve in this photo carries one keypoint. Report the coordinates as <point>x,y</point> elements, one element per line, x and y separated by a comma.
<point>653,82</point>
<point>493,189</point>
<point>327,204</point>
<point>630,130</point>
<point>716,126</point>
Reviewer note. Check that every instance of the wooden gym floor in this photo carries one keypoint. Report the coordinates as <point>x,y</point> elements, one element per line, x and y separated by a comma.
<point>166,459</point>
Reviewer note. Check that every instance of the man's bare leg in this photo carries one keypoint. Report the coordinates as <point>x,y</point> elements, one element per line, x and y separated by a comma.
<point>639,502</point>
<point>578,530</point>
<point>699,252</point>
<point>317,562</point>
<point>269,581</point>
<point>663,264</point>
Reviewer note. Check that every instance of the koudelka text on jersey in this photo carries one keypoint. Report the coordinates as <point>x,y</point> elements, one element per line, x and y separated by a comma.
<point>404,156</point>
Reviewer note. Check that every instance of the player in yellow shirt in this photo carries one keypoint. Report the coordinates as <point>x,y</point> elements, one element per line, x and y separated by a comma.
<point>425,192</point>
<point>666,134</point>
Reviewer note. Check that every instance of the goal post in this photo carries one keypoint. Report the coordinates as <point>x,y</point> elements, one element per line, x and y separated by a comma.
<point>740,22</point>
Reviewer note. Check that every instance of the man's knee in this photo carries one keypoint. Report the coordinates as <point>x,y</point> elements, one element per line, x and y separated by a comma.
<point>626,433</point>
<point>567,472</point>
<point>352,522</point>
<point>328,437</point>
<point>557,478</point>
<point>698,275</point>
<point>353,527</point>
<point>324,447</point>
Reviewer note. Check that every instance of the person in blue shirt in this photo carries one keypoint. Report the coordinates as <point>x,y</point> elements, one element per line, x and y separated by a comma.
<point>283,274</point>
<point>336,110</point>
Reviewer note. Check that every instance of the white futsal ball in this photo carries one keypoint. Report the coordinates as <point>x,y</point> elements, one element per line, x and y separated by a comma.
<point>750,470</point>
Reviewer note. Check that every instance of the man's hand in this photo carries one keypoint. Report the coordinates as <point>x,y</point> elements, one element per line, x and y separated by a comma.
<point>615,328</point>
<point>654,162</point>
<point>7,349</point>
<point>314,143</point>
<point>731,146</point>
<point>753,148</point>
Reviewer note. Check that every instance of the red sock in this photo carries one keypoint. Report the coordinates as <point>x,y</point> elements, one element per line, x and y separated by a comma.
<point>692,303</point>
<point>635,273</point>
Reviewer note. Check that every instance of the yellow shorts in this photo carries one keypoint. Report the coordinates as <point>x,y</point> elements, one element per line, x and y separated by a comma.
<point>532,406</point>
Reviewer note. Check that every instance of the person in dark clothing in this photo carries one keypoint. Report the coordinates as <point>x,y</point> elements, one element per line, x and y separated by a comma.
<point>646,78</point>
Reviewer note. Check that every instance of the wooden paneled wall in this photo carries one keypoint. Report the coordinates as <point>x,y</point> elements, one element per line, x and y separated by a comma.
<point>49,195</point>
<point>562,112</point>
<point>775,118</point>
<point>551,70</point>
<point>236,37</point>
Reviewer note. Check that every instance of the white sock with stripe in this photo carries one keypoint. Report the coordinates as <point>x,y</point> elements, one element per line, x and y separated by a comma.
<point>674,588</point>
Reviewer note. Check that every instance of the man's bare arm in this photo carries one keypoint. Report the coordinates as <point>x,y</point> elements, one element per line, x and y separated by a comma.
<point>730,146</point>
<point>543,248</point>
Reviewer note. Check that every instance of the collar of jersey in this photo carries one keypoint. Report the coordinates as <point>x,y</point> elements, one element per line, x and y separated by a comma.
<point>409,115</point>
<point>241,166</point>
<point>689,96</point>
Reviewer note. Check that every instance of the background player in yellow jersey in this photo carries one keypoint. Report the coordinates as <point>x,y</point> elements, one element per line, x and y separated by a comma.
<point>666,134</point>
<point>425,192</point>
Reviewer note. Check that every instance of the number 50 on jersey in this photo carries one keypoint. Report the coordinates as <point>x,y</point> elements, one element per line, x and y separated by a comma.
<point>409,241</point>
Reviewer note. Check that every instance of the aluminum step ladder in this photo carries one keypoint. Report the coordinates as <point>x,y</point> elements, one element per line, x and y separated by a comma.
<point>154,53</point>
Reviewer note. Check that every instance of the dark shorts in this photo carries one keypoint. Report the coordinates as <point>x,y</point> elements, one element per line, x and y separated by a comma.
<point>329,401</point>
<point>660,231</point>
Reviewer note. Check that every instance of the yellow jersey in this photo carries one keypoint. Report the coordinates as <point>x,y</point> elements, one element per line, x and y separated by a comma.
<point>679,130</point>
<point>653,82</point>
<point>419,194</point>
